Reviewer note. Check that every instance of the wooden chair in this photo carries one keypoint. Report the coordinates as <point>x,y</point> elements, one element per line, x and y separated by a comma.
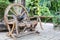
<point>13,23</point>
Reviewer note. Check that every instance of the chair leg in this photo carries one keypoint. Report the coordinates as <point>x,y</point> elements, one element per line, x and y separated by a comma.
<point>13,36</point>
<point>11,32</point>
<point>8,30</point>
<point>24,29</point>
<point>16,29</point>
<point>40,23</point>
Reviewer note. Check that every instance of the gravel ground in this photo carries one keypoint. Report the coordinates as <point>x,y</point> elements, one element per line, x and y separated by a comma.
<point>47,34</point>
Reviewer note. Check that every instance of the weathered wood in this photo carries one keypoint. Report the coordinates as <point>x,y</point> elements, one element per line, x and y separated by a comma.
<point>21,24</point>
<point>14,22</point>
<point>41,17</point>
<point>25,33</point>
<point>23,2</point>
<point>25,23</point>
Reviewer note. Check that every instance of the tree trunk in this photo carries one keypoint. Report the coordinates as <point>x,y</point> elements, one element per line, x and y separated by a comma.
<point>23,2</point>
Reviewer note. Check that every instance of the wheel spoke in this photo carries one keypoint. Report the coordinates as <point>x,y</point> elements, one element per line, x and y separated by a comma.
<point>22,13</point>
<point>10,15</point>
<point>13,12</point>
<point>20,10</point>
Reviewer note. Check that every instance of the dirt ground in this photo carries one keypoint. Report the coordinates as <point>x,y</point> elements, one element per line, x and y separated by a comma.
<point>47,34</point>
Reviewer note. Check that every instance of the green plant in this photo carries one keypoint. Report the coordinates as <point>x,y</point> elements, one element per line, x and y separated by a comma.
<point>45,11</point>
<point>45,8</point>
<point>33,7</point>
<point>3,5</point>
<point>56,18</point>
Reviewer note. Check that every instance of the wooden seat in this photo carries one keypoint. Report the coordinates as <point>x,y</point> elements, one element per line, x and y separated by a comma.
<point>31,25</point>
<point>28,24</point>
<point>21,24</point>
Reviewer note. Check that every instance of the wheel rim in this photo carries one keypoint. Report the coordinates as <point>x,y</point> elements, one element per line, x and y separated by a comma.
<point>14,11</point>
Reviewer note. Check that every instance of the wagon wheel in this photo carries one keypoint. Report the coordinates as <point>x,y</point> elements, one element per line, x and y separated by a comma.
<point>13,11</point>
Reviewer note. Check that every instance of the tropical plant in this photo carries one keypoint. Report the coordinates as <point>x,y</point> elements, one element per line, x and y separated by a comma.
<point>33,7</point>
<point>3,5</point>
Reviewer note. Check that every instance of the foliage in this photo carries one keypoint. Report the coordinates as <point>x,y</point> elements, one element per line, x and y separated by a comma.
<point>46,8</point>
<point>3,5</point>
<point>33,7</point>
<point>45,11</point>
<point>55,6</point>
<point>38,7</point>
<point>56,18</point>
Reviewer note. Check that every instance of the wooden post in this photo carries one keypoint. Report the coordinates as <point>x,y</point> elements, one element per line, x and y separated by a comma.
<point>23,2</point>
<point>20,1</point>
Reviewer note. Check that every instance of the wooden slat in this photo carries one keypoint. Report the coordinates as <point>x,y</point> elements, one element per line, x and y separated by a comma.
<point>21,25</point>
<point>42,17</point>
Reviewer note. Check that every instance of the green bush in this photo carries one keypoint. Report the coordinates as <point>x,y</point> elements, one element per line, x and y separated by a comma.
<point>3,5</point>
<point>33,7</point>
<point>46,8</point>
